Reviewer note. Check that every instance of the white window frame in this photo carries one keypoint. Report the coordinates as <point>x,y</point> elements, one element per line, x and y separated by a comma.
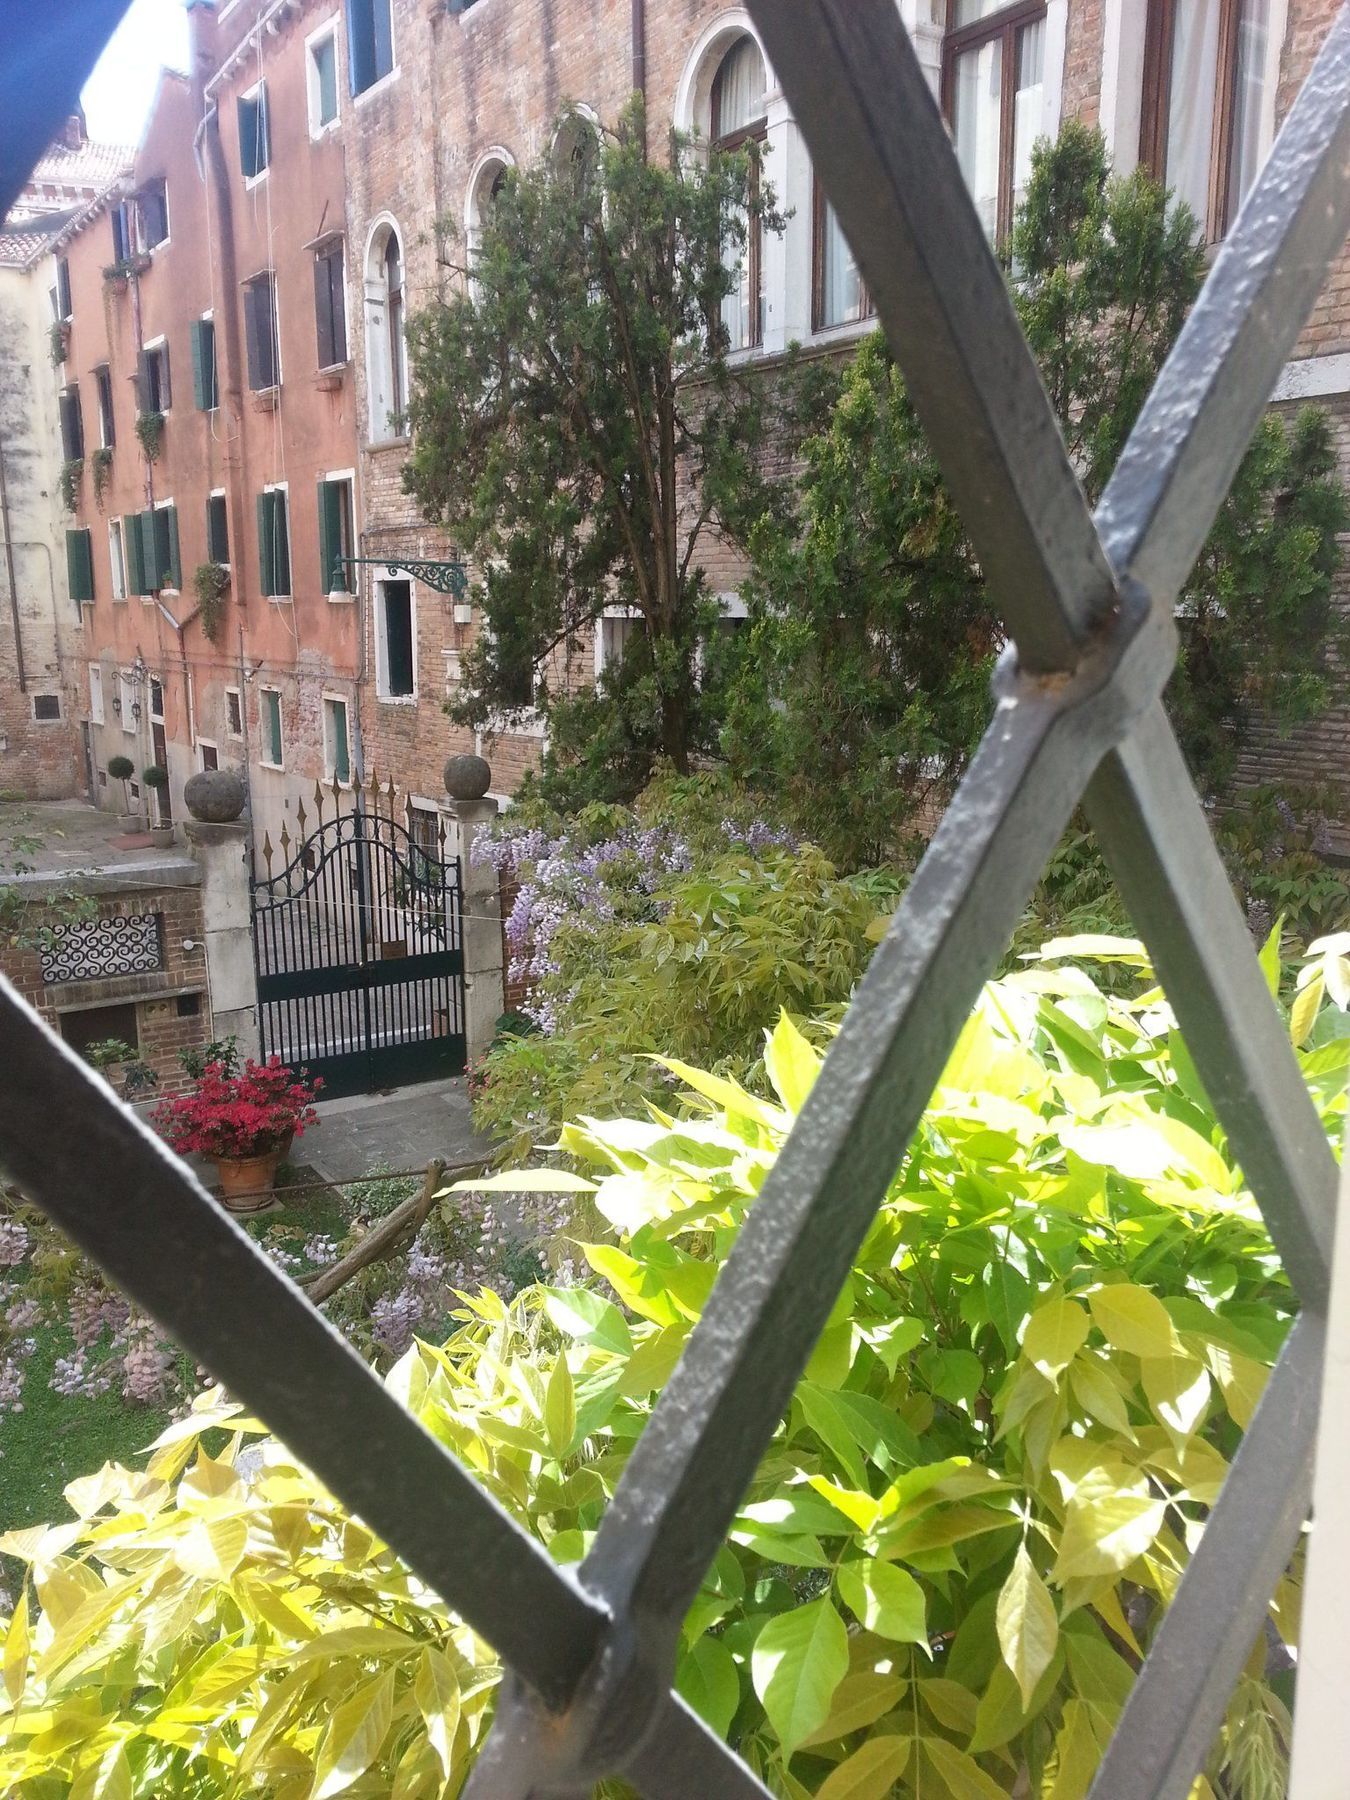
<point>161,506</point>
<point>264,747</point>
<point>104,369</point>
<point>497,158</point>
<point>97,713</point>
<point>150,348</point>
<point>603,656</point>
<point>236,737</point>
<point>385,81</point>
<point>382,694</point>
<point>117,559</point>
<point>223,494</point>
<point>348,479</point>
<point>374,323</point>
<point>328,29</point>
<point>329,698</point>
<point>288,598</point>
<point>252,181</point>
<point>126,691</point>
<point>204,744</point>
<point>167,239</point>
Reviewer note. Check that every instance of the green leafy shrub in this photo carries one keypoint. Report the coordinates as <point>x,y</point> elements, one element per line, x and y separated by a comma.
<point>101,463</point>
<point>72,474</point>
<point>150,431</point>
<point>955,1552</point>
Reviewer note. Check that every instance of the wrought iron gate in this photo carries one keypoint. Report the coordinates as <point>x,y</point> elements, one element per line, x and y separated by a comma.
<point>358,943</point>
<point>1088,601</point>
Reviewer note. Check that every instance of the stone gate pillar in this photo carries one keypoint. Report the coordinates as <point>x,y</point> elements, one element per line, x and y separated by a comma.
<point>218,840</point>
<point>471,812</point>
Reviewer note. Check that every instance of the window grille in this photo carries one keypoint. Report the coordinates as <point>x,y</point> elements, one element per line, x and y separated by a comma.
<point>1088,600</point>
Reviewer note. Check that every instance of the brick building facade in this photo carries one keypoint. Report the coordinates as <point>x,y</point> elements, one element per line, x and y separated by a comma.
<point>287,195</point>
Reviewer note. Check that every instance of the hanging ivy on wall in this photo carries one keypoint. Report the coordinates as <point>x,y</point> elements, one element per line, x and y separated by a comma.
<point>211,582</point>
<point>72,473</point>
<point>150,430</point>
<point>101,463</point>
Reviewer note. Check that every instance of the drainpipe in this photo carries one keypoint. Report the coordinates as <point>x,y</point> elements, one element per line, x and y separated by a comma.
<point>639,36</point>
<point>9,571</point>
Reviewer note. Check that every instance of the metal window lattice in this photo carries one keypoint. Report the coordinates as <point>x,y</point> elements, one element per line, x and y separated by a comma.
<point>1088,604</point>
<point>100,949</point>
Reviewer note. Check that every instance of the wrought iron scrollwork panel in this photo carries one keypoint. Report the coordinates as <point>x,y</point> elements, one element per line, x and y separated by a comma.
<point>102,949</point>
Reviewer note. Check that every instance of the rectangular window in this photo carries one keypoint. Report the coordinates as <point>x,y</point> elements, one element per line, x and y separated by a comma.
<point>80,566</point>
<point>72,424</point>
<point>145,556</point>
<point>330,304</point>
<point>154,393</point>
<point>168,568</point>
<point>274,543</point>
<point>335,538</point>
<point>260,332</point>
<point>117,559</point>
<point>123,231</point>
<point>1205,81</point>
<point>840,294</point>
<point>205,390</point>
<point>255,149</point>
<point>152,205</point>
<point>234,713</point>
<point>396,670</point>
<point>336,751</point>
<point>217,530</point>
<point>63,306</point>
<point>993,90</point>
<point>269,723</point>
<point>107,429</point>
<point>96,713</point>
<point>46,708</point>
<point>370,43</point>
<point>323,83</point>
<point>210,756</point>
<point>130,705</point>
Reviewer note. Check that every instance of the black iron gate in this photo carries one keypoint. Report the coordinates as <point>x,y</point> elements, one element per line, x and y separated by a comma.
<point>359,949</point>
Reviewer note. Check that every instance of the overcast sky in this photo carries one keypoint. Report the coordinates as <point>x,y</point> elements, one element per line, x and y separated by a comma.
<point>117,95</point>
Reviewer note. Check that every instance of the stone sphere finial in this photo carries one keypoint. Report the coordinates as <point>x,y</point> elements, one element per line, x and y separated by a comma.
<point>467,778</point>
<point>215,796</point>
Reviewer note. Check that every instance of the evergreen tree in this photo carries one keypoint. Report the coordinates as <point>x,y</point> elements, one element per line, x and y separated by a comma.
<point>865,680</point>
<point>578,426</point>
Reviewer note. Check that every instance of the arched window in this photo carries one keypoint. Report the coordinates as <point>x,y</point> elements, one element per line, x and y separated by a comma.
<point>393,291</point>
<point>485,186</point>
<point>386,350</point>
<point>738,120</point>
<point>576,148</point>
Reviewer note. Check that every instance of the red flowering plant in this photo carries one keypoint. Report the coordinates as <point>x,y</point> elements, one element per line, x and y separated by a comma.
<point>244,1114</point>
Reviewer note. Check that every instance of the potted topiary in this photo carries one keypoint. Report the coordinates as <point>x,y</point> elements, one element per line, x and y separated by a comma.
<point>121,768</point>
<point>156,778</point>
<point>244,1123</point>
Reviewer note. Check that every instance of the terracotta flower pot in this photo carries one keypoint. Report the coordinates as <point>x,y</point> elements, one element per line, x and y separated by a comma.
<point>246,1181</point>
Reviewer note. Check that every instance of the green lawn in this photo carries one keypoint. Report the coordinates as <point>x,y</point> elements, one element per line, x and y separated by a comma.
<point>56,1438</point>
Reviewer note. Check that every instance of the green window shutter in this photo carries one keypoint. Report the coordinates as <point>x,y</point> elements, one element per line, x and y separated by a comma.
<point>332,575</point>
<point>80,565</point>
<point>266,550</point>
<point>202,337</point>
<point>131,539</point>
<point>154,574</point>
<point>170,563</point>
<point>281,543</point>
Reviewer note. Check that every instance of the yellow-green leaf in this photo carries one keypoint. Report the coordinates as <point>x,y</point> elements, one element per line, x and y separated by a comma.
<point>707,1679</point>
<point>1098,1396</point>
<point>885,1599</point>
<point>1028,1626</point>
<point>107,1779</point>
<point>791,1064</point>
<point>355,1733</point>
<point>870,1773</point>
<point>1077,1752</point>
<point>1178,1390</point>
<point>1055,1332</point>
<point>859,1700</point>
<point>1132,1319</point>
<point>560,1409</point>
<point>212,1548</point>
<point>798,1660</point>
<point>1107,1526</point>
<point>436,1691</point>
<point>962,1774</point>
<point>16,1648</point>
<point>1303,1014</point>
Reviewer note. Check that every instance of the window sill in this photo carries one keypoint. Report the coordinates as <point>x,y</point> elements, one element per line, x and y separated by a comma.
<point>317,133</point>
<point>376,87</point>
<point>253,181</point>
<point>280,599</point>
<point>266,400</point>
<point>329,381</point>
<point>276,768</point>
<point>397,699</point>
